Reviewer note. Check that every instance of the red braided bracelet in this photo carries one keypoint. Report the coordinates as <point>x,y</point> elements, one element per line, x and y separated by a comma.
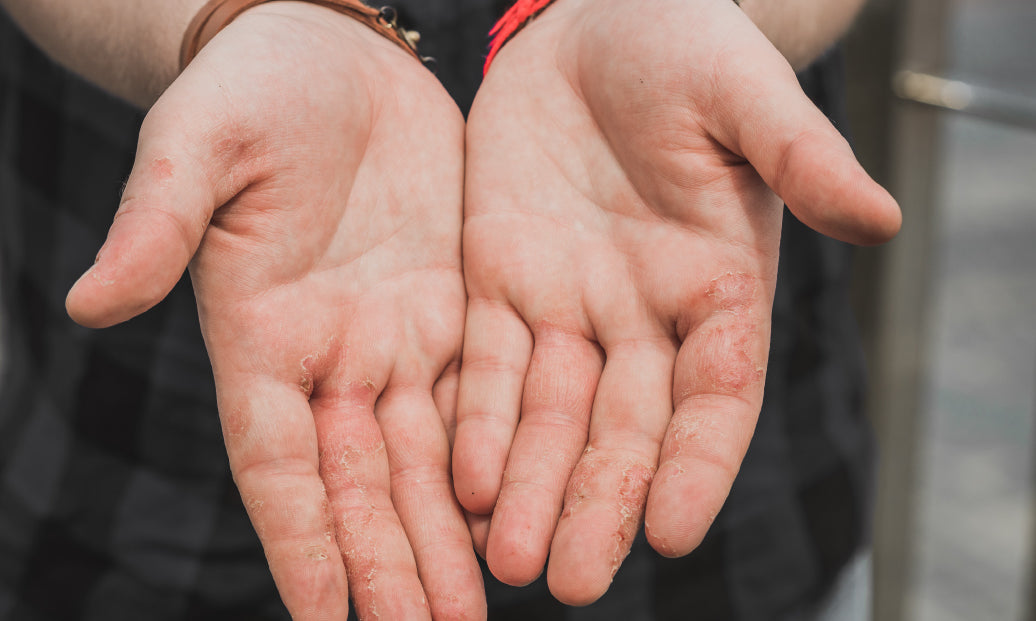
<point>512,21</point>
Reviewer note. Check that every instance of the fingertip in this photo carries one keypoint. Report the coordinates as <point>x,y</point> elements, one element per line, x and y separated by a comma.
<point>141,261</point>
<point>572,593</point>
<point>80,305</point>
<point>457,593</point>
<point>94,301</point>
<point>886,221</point>
<point>575,574</point>
<point>512,559</point>
<point>667,543</point>
<point>474,491</point>
<point>460,598</point>
<point>828,190</point>
<point>673,526</point>
<point>457,608</point>
<point>480,452</point>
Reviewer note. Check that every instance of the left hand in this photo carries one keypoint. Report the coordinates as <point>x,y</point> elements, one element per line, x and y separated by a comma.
<point>625,170</point>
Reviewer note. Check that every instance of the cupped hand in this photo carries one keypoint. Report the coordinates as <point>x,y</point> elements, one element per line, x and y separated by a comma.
<point>622,226</point>
<point>311,173</point>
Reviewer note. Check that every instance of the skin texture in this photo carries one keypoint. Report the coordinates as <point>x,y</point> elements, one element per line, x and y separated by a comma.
<point>314,186</point>
<point>622,227</point>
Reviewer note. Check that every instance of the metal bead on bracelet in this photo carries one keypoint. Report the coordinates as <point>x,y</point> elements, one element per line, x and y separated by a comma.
<point>390,19</point>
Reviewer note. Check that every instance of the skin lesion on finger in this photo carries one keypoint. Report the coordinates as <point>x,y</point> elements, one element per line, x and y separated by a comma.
<point>634,481</point>
<point>312,366</point>
<point>362,570</point>
<point>731,294</point>
<point>633,491</point>
<point>336,395</point>
<point>305,382</point>
<point>162,169</point>
<point>338,466</point>
<point>697,433</point>
<point>356,526</point>
<point>236,422</point>
<point>726,360</point>
<point>316,552</point>
<point>254,507</point>
<point>364,565</point>
<point>732,291</point>
<point>360,552</point>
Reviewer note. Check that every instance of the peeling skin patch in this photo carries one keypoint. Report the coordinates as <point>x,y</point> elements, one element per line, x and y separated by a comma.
<point>329,520</point>
<point>733,291</point>
<point>662,546</point>
<point>315,553</point>
<point>254,506</point>
<point>162,169</point>
<point>580,482</point>
<point>697,433</point>
<point>104,282</point>
<point>343,464</point>
<point>354,453</point>
<point>372,610</point>
<point>724,363</point>
<point>348,525</point>
<point>306,380</point>
<point>695,430</point>
<point>595,477</point>
<point>236,423</point>
<point>361,564</point>
<point>356,393</point>
<point>633,492</point>
<point>682,429</point>
<point>310,366</point>
<point>666,549</point>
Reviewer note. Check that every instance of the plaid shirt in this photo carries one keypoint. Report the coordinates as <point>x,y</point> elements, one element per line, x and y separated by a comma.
<point>115,497</point>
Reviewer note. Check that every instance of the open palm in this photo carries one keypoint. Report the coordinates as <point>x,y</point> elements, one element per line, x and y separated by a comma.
<point>622,226</point>
<point>314,184</point>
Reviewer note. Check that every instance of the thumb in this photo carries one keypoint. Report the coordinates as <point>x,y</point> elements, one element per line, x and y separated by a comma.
<point>165,209</point>
<point>799,154</point>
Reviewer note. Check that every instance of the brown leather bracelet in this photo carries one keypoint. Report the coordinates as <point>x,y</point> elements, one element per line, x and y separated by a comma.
<point>216,14</point>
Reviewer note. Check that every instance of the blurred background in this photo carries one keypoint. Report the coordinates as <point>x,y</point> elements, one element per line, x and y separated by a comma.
<point>943,109</point>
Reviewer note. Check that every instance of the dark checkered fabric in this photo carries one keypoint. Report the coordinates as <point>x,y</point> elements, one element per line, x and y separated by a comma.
<point>115,498</point>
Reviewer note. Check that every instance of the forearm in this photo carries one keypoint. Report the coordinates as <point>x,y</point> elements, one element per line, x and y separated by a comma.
<point>802,29</point>
<point>128,47</point>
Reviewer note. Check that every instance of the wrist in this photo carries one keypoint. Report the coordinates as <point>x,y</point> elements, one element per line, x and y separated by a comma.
<point>216,15</point>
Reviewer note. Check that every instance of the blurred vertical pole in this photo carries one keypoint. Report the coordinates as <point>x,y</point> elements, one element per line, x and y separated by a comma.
<point>1030,603</point>
<point>898,142</point>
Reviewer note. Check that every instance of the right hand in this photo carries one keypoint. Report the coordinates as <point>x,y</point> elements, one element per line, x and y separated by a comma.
<point>311,174</point>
